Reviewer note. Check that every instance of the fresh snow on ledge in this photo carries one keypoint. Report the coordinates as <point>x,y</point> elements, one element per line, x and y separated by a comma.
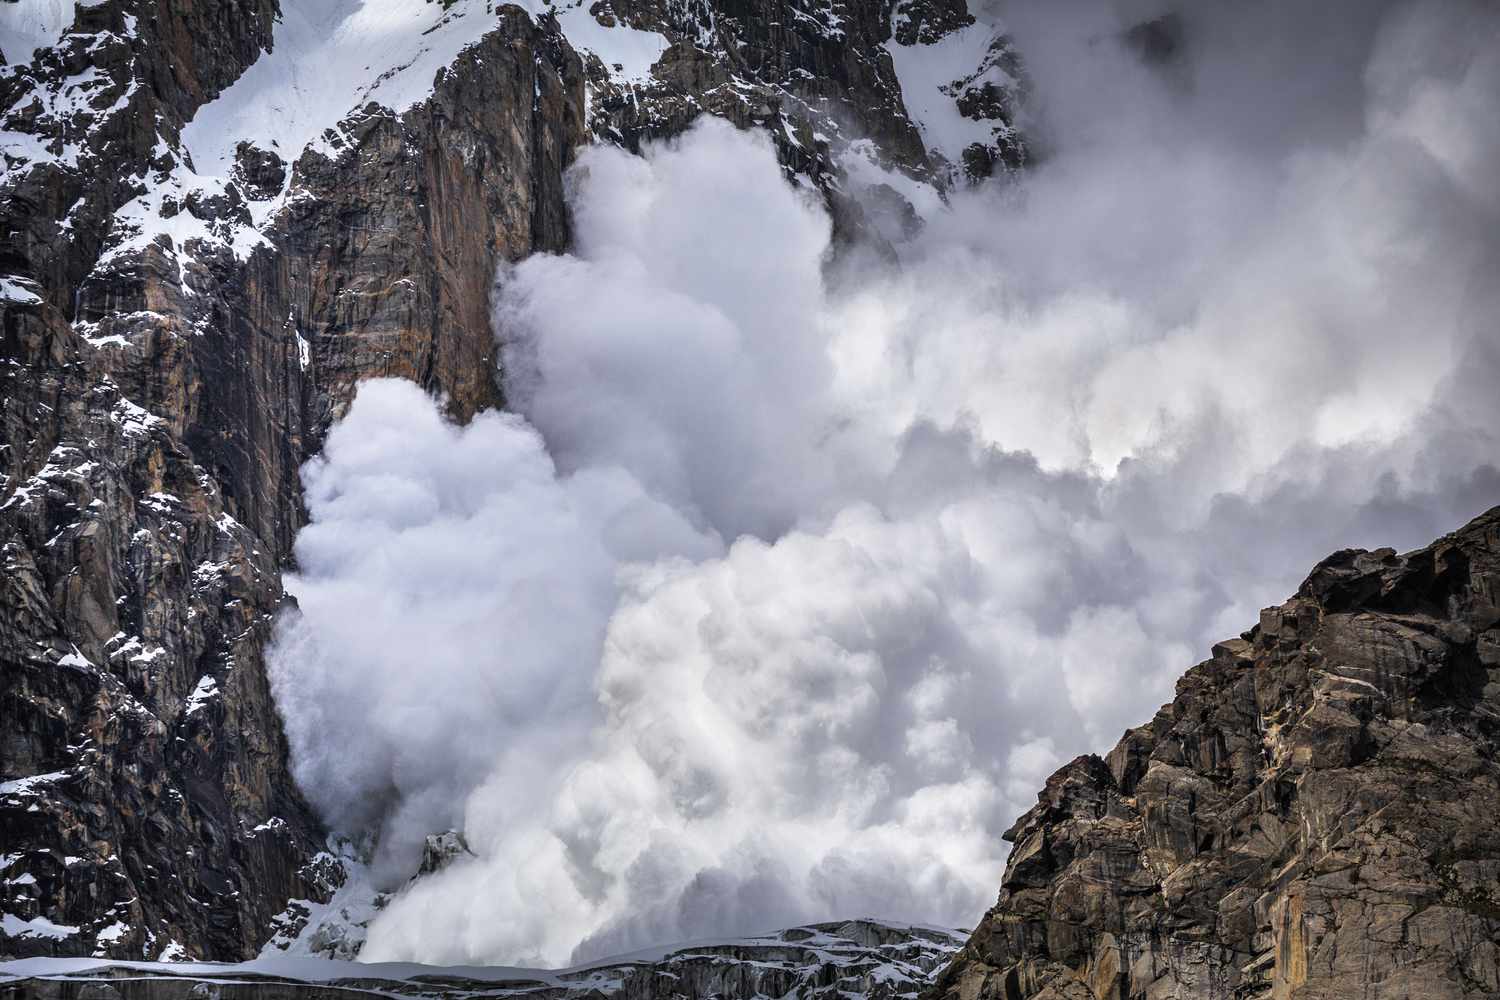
<point>28,785</point>
<point>331,57</point>
<point>207,690</point>
<point>628,53</point>
<point>36,927</point>
<point>927,73</point>
<point>13,287</point>
<point>28,25</point>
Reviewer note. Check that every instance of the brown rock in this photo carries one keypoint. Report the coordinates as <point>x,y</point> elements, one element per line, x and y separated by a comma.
<point>1313,816</point>
<point>156,403</point>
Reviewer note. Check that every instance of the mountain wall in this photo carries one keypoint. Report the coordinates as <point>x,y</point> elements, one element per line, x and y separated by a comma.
<point>1313,816</point>
<point>176,337</point>
<point>1316,815</point>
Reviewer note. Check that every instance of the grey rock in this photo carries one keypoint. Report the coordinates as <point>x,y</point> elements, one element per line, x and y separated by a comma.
<point>1313,816</point>
<point>157,401</point>
<point>441,850</point>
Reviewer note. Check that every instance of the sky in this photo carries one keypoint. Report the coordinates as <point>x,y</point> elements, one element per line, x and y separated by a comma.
<point>791,577</point>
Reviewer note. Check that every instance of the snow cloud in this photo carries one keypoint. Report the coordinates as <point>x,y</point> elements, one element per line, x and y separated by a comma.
<point>791,578</point>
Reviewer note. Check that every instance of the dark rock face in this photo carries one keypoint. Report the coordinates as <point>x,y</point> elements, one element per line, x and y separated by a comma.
<point>147,800</point>
<point>144,800</point>
<point>391,253</point>
<point>1315,815</point>
<point>128,74</point>
<point>818,77</point>
<point>159,393</point>
<point>157,403</point>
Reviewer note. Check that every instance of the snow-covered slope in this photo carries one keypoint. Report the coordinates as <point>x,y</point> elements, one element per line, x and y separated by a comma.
<point>333,57</point>
<point>330,60</point>
<point>960,89</point>
<point>850,960</point>
<point>28,25</point>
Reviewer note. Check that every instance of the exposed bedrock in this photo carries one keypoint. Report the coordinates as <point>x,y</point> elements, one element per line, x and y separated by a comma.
<point>1315,815</point>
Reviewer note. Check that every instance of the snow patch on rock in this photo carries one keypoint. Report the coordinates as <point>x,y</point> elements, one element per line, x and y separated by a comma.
<point>931,75</point>
<point>28,25</point>
<point>35,927</point>
<point>331,58</point>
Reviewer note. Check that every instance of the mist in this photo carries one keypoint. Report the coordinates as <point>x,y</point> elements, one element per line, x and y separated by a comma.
<point>792,576</point>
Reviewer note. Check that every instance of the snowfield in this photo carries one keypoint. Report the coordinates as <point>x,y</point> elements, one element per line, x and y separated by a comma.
<point>331,57</point>
<point>853,960</point>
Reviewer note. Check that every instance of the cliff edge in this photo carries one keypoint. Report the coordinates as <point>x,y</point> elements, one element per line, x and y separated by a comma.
<point>1315,815</point>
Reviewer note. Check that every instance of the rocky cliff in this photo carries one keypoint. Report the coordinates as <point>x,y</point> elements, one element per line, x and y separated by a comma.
<point>177,336</point>
<point>1315,815</point>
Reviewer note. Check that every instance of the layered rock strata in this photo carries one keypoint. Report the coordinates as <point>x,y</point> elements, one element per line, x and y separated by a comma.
<point>1316,815</point>
<point>176,338</point>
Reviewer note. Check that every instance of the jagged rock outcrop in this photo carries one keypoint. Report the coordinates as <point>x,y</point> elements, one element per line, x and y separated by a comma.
<point>174,343</point>
<point>822,79</point>
<point>86,117</point>
<point>857,958</point>
<point>1315,815</point>
<point>144,801</point>
<point>158,399</point>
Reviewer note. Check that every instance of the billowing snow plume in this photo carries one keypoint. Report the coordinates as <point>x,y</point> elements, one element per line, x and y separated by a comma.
<point>788,586</point>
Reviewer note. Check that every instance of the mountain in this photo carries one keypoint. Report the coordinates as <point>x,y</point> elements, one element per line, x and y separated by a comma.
<point>858,958</point>
<point>1313,816</point>
<point>215,218</point>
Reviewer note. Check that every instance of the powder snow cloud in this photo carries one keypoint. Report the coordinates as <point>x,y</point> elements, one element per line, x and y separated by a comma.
<point>791,578</point>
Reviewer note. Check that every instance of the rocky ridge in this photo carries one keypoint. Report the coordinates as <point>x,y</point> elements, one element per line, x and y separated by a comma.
<point>853,960</point>
<point>1313,816</point>
<point>824,80</point>
<point>177,336</point>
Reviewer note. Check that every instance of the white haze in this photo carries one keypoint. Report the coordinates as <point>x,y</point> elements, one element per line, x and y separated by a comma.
<point>791,582</point>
